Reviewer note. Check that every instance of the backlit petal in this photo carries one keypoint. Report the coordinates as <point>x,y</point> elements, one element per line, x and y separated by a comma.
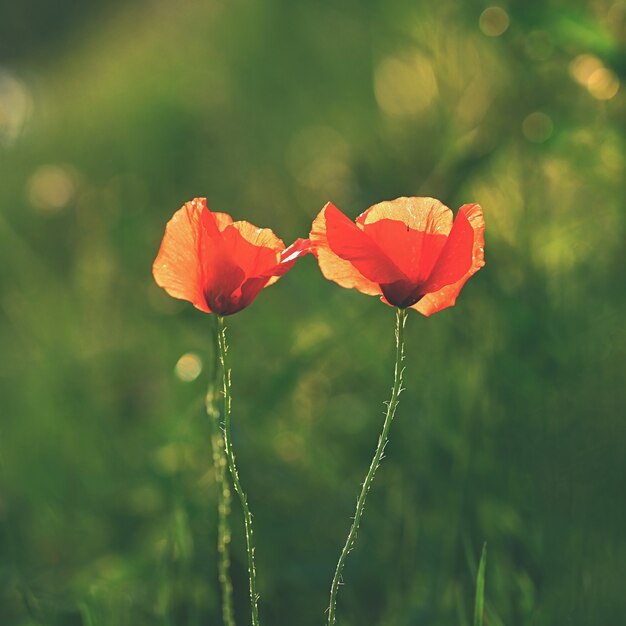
<point>176,267</point>
<point>423,214</point>
<point>288,257</point>
<point>222,291</point>
<point>262,237</point>
<point>217,264</point>
<point>414,252</point>
<point>402,293</point>
<point>445,296</point>
<point>352,244</point>
<point>236,265</point>
<point>222,220</point>
<point>455,258</point>
<point>334,267</point>
<point>220,273</point>
<point>254,249</point>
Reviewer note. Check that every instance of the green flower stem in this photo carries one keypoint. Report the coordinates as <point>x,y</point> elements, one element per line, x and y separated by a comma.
<point>479,603</point>
<point>382,442</point>
<point>223,490</point>
<point>230,455</point>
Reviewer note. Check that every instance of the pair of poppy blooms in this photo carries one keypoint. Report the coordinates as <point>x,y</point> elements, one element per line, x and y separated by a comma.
<point>408,251</point>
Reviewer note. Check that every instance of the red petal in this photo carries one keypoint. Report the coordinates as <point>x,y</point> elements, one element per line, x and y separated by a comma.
<point>222,220</point>
<point>411,232</point>
<point>253,249</point>
<point>331,265</point>
<point>414,252</point>
<point>221,291</point>
<point>288,257</point>
<point>352,244</point>
<point>221,274</point>
<point>423,214</point>
<point>470,232</point>
<point>298,248</point>
<point>402,293</point>
<point>217,264</point>
<point>237,263</point>
<point>177,267</point>
<point>455,258</point>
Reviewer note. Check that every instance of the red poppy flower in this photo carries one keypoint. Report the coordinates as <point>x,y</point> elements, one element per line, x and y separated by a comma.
<point>408,251</point>
<point>218,265</point>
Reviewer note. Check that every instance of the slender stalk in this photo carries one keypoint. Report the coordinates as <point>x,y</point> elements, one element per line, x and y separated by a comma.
<point>479,603</point>
<point>223,489</point>
<point>367,483</point>
<point>230,455</point>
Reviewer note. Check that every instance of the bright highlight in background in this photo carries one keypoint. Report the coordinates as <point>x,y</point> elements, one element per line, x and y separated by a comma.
<point>188,367</point>
<point>15,107</point>
<point>537,127</point>
<point>494,21</point>
<point>51,188</point>
<point>405,86</point>
<point>589,71</point>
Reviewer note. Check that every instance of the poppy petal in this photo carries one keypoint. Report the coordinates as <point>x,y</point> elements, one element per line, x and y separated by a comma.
<point>256,250</point>
<point>223,292</point>
<point>230,258</point>
<point>259,237</point>
<point>332,266</point>
<point>288,257</point>
<point>427,215</point>
<point>402,293</point>
<point>455,258</point>
<point>177,268</point>
<point>411,231</point>
<point>352,244</point>
<point>250,290</point>
<point>217,264</point>
<point>252,286</point>
<point>222,220</point>
<point>445,296</point>
<point>414,252</point>
<point>221,275</point>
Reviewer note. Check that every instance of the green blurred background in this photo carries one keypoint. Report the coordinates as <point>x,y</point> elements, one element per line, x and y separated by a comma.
<point>512,427</point>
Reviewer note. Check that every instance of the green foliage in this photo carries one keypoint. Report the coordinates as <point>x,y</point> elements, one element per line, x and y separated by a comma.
<point>511,428</point>
<point>479,601</point>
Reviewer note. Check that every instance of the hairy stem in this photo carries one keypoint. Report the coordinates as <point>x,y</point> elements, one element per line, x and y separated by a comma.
<point>367,483</point>
<point>230,455</point>
<point>223,489</point>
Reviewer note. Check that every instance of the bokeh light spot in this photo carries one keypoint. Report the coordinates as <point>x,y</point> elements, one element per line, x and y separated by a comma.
<point>318,158</point>
<point>494,21</point>
<point>611,156</point>
<point>603,84</point>
<point>583,66</point>
<point>15,107</point>
<point>589,71</point>
<point>537,127</point>
<point>405,87</point>
<point>616,15</point>
<point>289,446</point>
<point>188,367</point>
<point>51,188</point>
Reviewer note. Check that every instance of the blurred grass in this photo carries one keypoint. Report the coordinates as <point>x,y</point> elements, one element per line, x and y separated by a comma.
<point>511,430</point>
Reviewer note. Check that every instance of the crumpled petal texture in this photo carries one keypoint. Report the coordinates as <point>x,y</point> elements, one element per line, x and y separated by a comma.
<point>218,265</point>
<point>409,251</point>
